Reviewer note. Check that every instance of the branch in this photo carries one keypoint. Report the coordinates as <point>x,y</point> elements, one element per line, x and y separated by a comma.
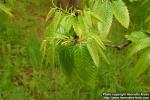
<point>120,46</point>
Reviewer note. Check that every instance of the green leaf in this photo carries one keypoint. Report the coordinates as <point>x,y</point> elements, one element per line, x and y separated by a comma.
<point>93,52</point>
<point>66,58</point>
<point>142,64</point>
<point>98,41</point>
<point>76,61</point>
<point>135,36</point>
<point>66,24</point>
<point>88,18</point>
<point>120,12</point>
<point>78,26</point>
<point>106,14</point>
<point>81,27</point>
<point>94,15</point>
<point>50,13</point>
<point>6,10</point>
<point>102,54</point>
<point>140,45</point>
<point>85,67</point>
<point>96,51</point>
<point>52,29</point>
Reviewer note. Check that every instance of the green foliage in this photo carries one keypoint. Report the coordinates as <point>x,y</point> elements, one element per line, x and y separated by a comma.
<point>142,64</point>
<point>105,12</point>
<point>141,42</point>
<point>120,12</point>
<point>90,29</point>
<point>66,29</point>
<point>5,9</point>
<point>140,45</point>
<point>76,57</point>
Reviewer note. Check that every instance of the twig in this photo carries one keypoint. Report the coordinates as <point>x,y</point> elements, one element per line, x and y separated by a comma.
<point>120,46</point>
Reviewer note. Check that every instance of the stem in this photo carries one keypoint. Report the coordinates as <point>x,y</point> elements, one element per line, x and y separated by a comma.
<point>120,46</point>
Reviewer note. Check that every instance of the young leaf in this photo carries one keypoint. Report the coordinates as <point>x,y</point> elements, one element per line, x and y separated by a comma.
<point>142,64</point>
<point>81,27</point>
<point>50,14</point>
<point>102,54</point>
<point>98,41</point>
<point>85,67</point>
<point>88,18</point>
<point>6,10</point>
<point>95,16</point>
<point>136,36</point>
<point>66,59</point>
<point>66,23</point>
<point>54,25</point>
<point>120,12</point>
<point>139,45</point>
<point>93,52</point>
<point>78,25</point>
<point>106,14</point>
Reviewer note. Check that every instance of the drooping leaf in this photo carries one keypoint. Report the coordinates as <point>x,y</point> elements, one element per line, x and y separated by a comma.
<point>85,67</point>
<point>142,64</point>
<point>98,40</point>
<point>93,52</point>
<point>78,26</point>
<point>66,58</point>
<point>140,45</point>
<point>120,12</point>
<point>81,26</point>
<point>5,9</point>
<point>105,13</point>
<point>135,36</point>
<point>52,29</point>
<point>50,13</point>
<point>76,61</point>
<point>66,24</point>
<point>96,51</point>
<point>88,18</point>
<point>95,16</point>
<point>102,54</point>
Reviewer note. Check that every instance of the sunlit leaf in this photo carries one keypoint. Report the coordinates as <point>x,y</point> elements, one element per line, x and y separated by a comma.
<point>88,18</point>
<point>93,52</point>
<point>6,10</point>
<point>78,26</point>
<point>105,13</point>
<point>140,45</point>
<point>135,36</point>
<point>98,40</point>
<point>85,67</point>
<point>94,15</point>
<point>120,12</point>
<point>142,64</point>
<point>66,58</point>
<point>50,13</point>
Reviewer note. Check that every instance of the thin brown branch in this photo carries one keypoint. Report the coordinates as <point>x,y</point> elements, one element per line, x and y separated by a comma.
<point>120,46</point>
